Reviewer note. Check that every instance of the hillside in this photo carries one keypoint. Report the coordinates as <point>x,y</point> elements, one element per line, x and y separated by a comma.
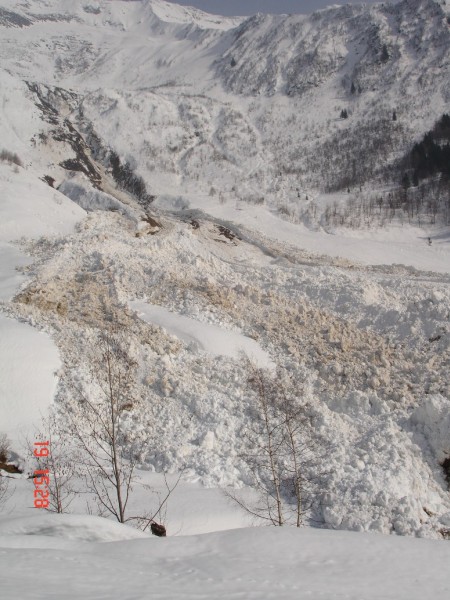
<point>190,179</point>
<point>250,108</point>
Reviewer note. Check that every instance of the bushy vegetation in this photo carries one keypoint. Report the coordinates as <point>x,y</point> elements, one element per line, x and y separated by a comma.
<point>425,205</point>
<point>359,154</point>
<point>4,448</point>
<point>420,192</point>
<point>129,181</point>
<point>431,156</point>
<point>10,157</point>
<point>122,173</point>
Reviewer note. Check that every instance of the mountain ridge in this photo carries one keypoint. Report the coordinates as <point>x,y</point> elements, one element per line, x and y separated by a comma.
<point>251,108</point>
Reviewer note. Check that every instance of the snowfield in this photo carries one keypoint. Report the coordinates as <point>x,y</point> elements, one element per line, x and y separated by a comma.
<point>29,361</point>
<point>366,347</point>
<point>257,563</point>
<point>29,358</point>
<point>172,173</point>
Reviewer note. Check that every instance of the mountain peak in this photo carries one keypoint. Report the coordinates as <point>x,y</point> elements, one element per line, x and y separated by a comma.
<point>129,12</point>
<point>175,13</point>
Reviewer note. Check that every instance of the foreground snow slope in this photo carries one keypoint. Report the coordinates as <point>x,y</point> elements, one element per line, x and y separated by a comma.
<point>257,564</point>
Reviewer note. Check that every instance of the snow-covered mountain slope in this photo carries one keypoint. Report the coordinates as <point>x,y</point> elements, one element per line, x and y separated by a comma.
<point>366,349</point>
<point>105,42</point>
<point>29,209</point>
<point>375,48</point>
<point>200,147</point>
<point>391,57</point>
<point>249,107</point>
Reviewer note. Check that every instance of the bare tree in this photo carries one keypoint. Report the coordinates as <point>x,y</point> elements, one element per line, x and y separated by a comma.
<point>5,491</point>
<point>100,398</point>
<point>97,421</point>
<point>60,462</point>
<point>280,448</point>
<point>265,457</point>
<point>158,517</point>
<point>4,448</point>
<point>292,422</point>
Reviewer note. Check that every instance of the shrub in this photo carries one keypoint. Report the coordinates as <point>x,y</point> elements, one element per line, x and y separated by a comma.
<point>384,54</point>
<point>10,157</point>
<point>4,448</point>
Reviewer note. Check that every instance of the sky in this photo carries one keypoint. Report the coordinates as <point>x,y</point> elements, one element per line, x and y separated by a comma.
<point>250,7</point>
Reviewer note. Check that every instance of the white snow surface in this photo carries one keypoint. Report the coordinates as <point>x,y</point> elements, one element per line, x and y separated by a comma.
<point>80,528</point>
<point>29,360</point>
<point>209,338</point>
<point>392,245</point>
<point>11,258</point>
<point>257,563</point>
<point>49,213</point>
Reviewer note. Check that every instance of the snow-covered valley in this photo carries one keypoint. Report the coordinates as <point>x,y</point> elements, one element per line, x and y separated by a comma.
<point>150,184</point>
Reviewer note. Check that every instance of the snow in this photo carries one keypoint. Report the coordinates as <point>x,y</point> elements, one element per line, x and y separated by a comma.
<point>89,199</point>
<point>356,319</point>
<point>257,563</point>
<point>296,307</point>
<point>29,360</point>
<point>79,528</point>
<point>394,245</point>
<point>206,337</point>
<point>49,213</point>
<point>432,420</point>
<point>178,14</point>
<point>10,280</point>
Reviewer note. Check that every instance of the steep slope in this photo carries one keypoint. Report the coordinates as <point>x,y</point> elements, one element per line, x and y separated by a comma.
<point>374,48</point>
<point>104,43</point>
<point>366,351</point>
<point>270,126</point>
<point>170,126</point>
